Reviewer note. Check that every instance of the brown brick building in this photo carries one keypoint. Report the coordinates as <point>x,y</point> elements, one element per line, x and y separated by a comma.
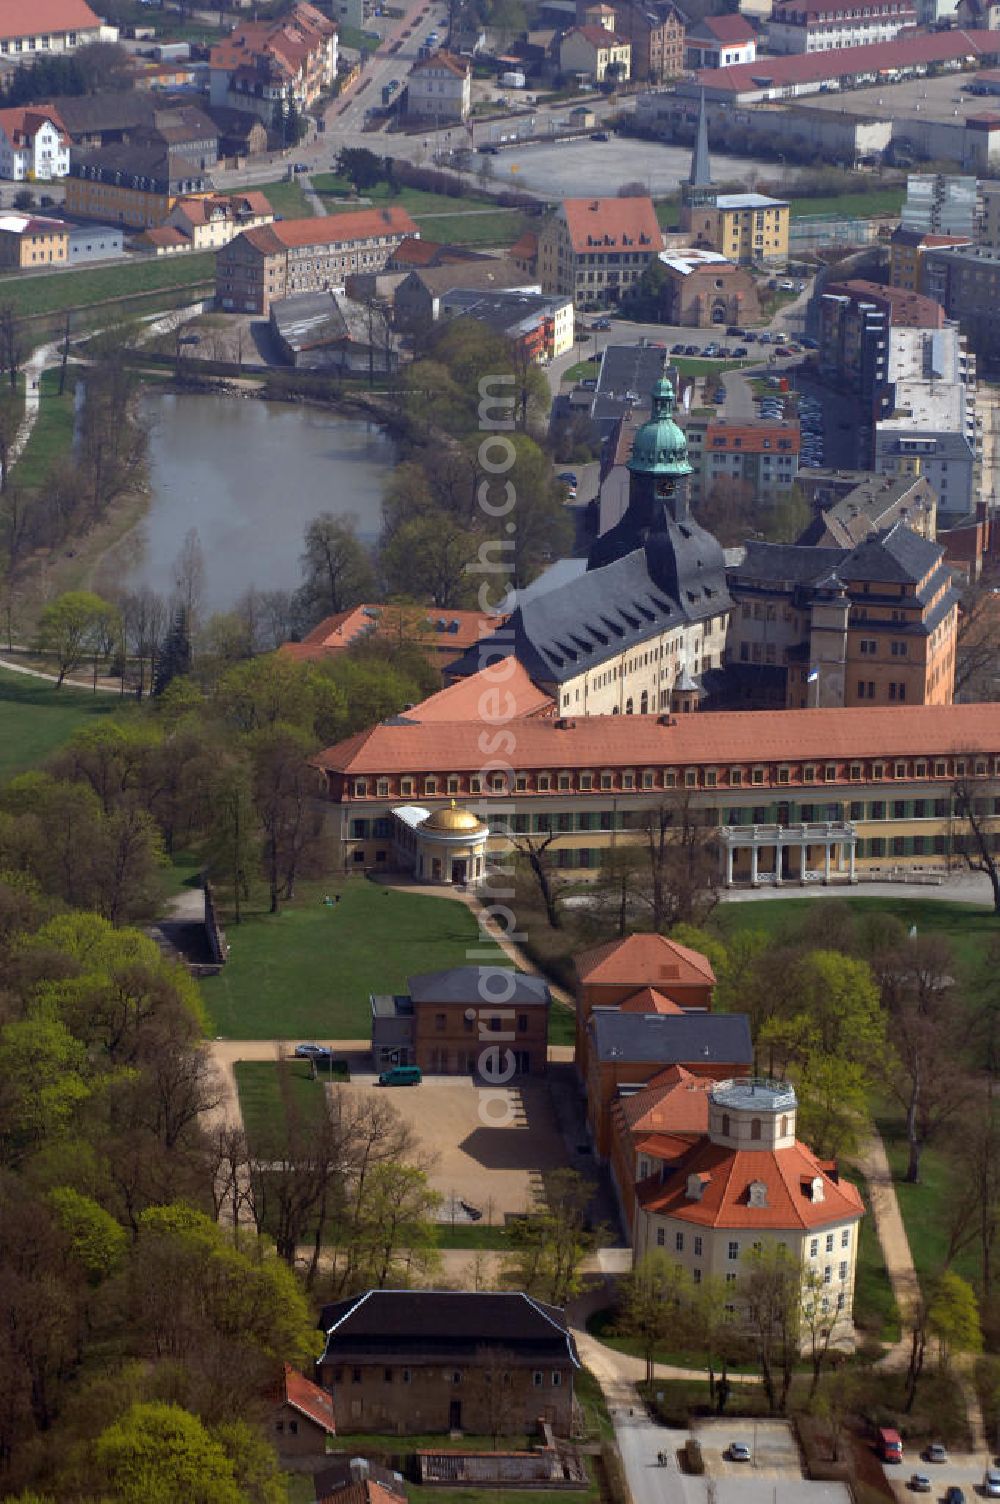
<point>608,976</point>
<point>302,1417</point>
<point>485,1020</point>
<point>656,33</point>
<point>701,288</point>
<point>305,255</point>
<point>413,1361</point>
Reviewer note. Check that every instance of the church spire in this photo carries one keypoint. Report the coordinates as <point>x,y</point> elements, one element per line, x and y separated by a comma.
<point>700,175</point>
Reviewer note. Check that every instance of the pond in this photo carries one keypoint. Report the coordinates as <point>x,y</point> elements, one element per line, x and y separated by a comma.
<point>249,476</point>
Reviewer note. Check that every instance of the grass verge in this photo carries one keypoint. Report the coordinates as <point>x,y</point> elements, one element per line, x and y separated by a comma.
<point>851,205</point>
<point>51,437</point>
<point>286,198</point>
<point>924,1206</point>
<point>876,1313</point>
<point>81,289</point>
<point>308,972</point>
<point>36,718</point>
<point>263,1105</point>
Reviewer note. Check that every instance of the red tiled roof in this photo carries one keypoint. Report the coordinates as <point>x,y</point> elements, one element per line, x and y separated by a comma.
<point>164,235</point>
<point>308,1399</point>
<point>363,224</point>
<point>457,65</point>
<point>414,252</point>
<point>726,1176</point>
<point>835,11</point>
<point>423,625</point>
<point>910,310</point>
<point>750,438</point>
<point>503,687</point>
<point>364,1491</point>
<point>525,248</point>
<point>843,62</point>
<point>27,18</point>
<point>733,28</point>
<point>649,1000</point>
<point>608,221</point>
<point>22,123</point>
<point>709,738</point>
<point>676,1101</point>
<point>643,959</point>
<point>287,42</point>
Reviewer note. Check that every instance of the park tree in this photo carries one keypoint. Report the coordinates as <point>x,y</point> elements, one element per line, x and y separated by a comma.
<point>949,1315</point>
<point>550,1244</point>
<point>284,792</point>
<point>158,1453</point>
<point>336,569</point>
<point>972,839</point>
<point>399,1212</point>
<point>362,167</point>
<point>428,559</point>
<point>651,1302</point>
<point>771,1305</point>
<point>924,1074</point>
<point>69,627</point>
<point>174,661</point>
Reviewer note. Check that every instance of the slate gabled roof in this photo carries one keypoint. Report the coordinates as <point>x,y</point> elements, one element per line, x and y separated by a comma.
<point>670,1039</point>
<point>436,1323</point>
<point>464,984</point>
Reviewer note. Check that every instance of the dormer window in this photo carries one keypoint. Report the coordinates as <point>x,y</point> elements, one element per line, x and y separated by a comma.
<point>695,1187</point>
<point>757,1194</point>
<point>816,1189</point>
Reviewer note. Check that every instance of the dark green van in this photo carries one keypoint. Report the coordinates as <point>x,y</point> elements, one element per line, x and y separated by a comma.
<point>401,1075</point>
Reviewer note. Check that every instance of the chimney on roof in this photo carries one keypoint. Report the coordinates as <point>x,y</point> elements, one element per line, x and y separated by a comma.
<point>565,723</point>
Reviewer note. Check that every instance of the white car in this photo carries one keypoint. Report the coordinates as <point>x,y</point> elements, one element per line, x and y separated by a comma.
<point>991,1483</point>
<point>738,1452</point>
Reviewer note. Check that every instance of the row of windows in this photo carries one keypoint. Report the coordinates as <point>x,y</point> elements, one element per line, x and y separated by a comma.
<point>450,1375</point>
<point>733,1249</point>
<point>629,780</point>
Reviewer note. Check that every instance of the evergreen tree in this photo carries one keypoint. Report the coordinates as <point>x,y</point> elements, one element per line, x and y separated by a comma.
<point>278,124</point>
<point>175,659</point>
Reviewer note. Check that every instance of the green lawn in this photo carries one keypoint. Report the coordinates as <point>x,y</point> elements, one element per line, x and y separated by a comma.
<point>307,972</point>
<point>286,198</point>
<point>262,1103</point>
<point>417,200</point>
<point>691,365</point>
<point>80,289</point>
<point>875,1309</point>
<point>500,227</point>
<point>923,1206</point>
<point>851,205</point>
<point>36,718</point>
<point>970,927</point>
<point>583,370</point>
<point>52,436</point>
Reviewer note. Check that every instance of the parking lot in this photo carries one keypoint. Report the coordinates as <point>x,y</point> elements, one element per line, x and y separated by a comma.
<point>573,169</point>
<point>938,98</point>
<point>774,1471</point>
<point>489,1147</point>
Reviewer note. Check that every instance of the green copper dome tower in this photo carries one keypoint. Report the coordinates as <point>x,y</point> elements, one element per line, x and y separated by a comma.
<point>659,465</point>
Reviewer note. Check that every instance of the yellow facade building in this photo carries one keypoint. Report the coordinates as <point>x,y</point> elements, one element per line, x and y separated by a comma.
<point>27,241</point>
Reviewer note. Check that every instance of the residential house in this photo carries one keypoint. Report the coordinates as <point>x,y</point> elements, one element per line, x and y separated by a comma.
<point>439,89</point>
<point>702,288</point>
<point>30,241</point>
<point>30,27</point>
<point>978,14</point>
<point>855,320</point>
<point>597,53</point>
<point>908,256</point>
<point>328,331</point>
<point>341,1472</point>
<point>875,623</point>
<point>105,119</point>
<point>928,434</point>
<point>655,34</point>
<point>429,1361</point>
<point>417,299</point>
<point>595,249</point>
<point>820,25</point>
<point>305,255</point>
<point>471,1020</point>
<point>241,133</point>
<point>966,280</point>
<point>262,66</point>
<point>746,1185</point>
<point>759,458</point>
<point>720,42</point>
<point>184,130</point>
<point>34,146</point>
<point>301,1418</point>
<point>941,203</point>
<point>540,324</point>
<point>626,1049</point>
<point>136,186</point>
<point>849,506</point>
<point>211,221</point>
<point>94,242</point>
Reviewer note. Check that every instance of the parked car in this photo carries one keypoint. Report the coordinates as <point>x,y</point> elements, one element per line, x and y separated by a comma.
<point>567,477</point>
<point>691,350</point>
<point>719,394</point>
<point>600,135</point>
<point>489,151</point>
<point>955,1495</point>
<point>920,1484</point>
<point>589,383</point>
<point>602,324</point>
<point>740,352</point>
<point>677,349</point>
<point>734,332</point>
<point>935,1452</point>
<point>401,1075</point>
<point>991,1483</point>
<point>313,1052</point>
<point>738,1452</point>
<point>302,167</point>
